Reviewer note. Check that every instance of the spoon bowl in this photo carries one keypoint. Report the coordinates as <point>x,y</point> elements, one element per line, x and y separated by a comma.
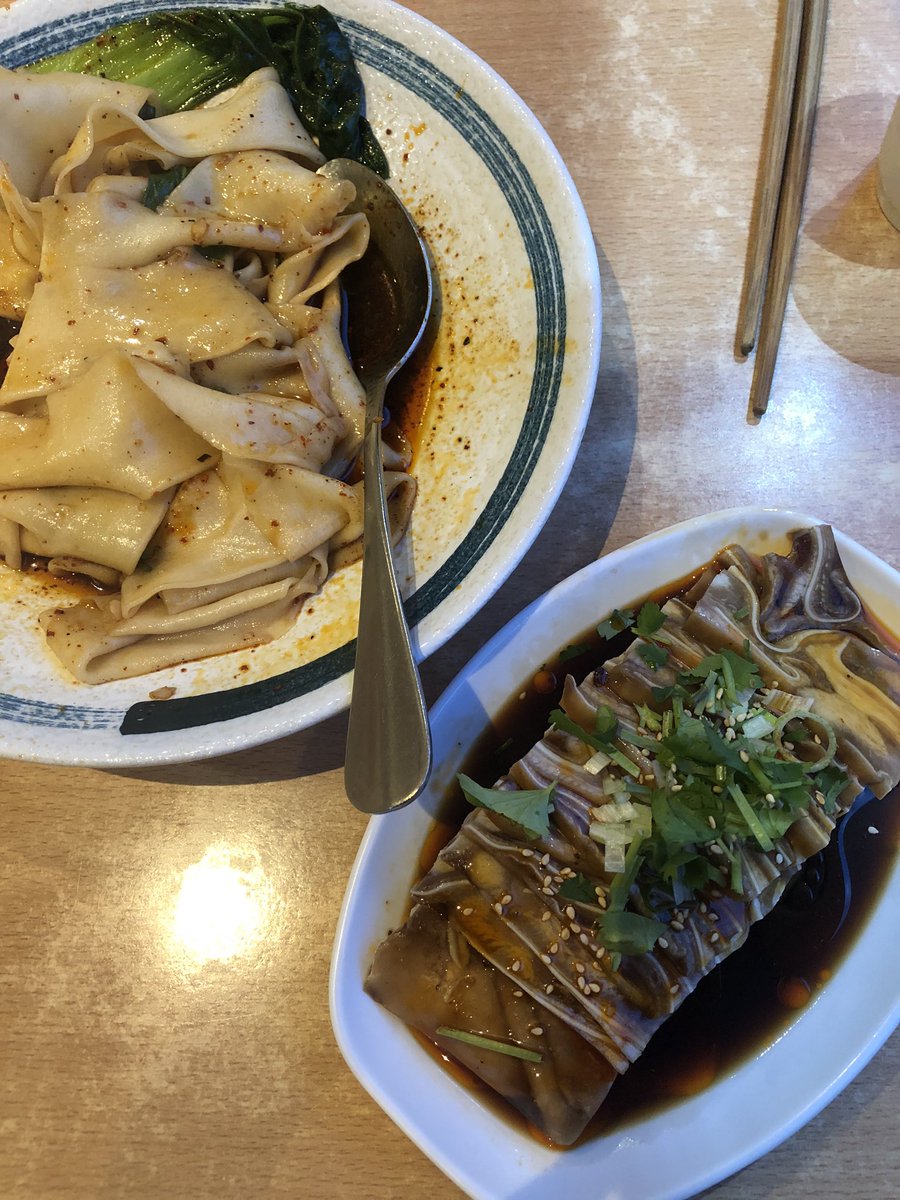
<point>388,757</point>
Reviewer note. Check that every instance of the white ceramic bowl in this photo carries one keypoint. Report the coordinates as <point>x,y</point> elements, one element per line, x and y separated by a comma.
<point>699,1141</point>
<point>519,343</point>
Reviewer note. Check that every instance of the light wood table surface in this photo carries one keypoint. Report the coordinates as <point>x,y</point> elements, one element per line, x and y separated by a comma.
<point>127,1071</point>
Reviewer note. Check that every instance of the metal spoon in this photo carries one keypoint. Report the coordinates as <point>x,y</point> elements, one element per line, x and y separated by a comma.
<point>388,757</point>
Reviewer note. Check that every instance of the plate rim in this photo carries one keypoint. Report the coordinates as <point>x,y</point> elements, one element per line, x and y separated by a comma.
<point>810,1099</point>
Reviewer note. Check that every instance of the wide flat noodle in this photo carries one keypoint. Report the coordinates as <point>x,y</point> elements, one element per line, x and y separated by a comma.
<point>178,409</point>
<point>41,114</point>
<point>256,115</point>
<point>492,913</point>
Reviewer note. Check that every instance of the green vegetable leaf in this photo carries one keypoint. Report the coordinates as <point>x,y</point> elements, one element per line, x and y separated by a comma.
<point>619,621</point>
<point>578,888</point>
<point>741,613</point>
<point>530,809</point>
<point>629,932</point>
<point>161,185</point>
<point>188,56</point>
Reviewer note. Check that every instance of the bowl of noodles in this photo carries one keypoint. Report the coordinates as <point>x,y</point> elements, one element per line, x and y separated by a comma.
<point>180,501</point>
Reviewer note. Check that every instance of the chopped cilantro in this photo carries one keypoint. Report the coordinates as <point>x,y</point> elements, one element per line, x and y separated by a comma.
<point>619,621</point>
<point>578,888</point>
<point>653,656</point>
<point>629,932</point>
<point>528,808</point>
<point>573,651</point>
<point>649,620</point>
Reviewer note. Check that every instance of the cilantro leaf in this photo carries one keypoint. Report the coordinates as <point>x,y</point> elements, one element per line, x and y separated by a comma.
<point>649,619</point>
<point>529,808</point>
<point>653,656</point>
<point>578,888</point>
<point>573,651</point>
<point>629,932</point>
<point>606,724</point>
<point>616,623</point>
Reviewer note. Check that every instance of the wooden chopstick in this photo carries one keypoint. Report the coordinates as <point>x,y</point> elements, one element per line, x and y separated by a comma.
<point>793,186</point>
<point>772,172</point>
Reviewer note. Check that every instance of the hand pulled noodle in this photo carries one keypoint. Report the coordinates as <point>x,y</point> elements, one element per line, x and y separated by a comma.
<point>178,410</point>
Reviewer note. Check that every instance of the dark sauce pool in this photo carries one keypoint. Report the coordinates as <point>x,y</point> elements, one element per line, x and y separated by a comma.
<point>748,1000</point>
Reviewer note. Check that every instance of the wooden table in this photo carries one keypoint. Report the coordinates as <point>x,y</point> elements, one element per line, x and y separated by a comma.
<point>125,1072</point>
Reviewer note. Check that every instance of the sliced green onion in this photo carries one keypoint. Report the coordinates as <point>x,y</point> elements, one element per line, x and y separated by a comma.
<point>753,821</point>
<point>484,1043</point>
<point>804,715</point>
<point>625,763</point>
<point>759,725</point>
<point>668,721</point>
<point>597,763</point>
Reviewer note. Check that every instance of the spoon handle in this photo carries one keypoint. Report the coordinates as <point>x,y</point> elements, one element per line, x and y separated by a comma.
<point>388,741</point>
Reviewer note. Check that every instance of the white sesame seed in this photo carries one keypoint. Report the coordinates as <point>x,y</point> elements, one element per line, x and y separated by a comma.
<point>545,958</point>
<point>659,737</point>
<point>779,858</point>
<point>580,968</point>
<point>506,899</point>
<point>717,789</point>
<point>598,890</point>
<point>663,944</point>
<point>570,912</point>
<point>713,916</point>
<point>676,925</point>
<point>583,938</point>
<point>713,937</point>
<point>559,879</point>
<point>467,912</point>
<point>518,993</point>
<point>553,947</point>
<point>517,966</point>
<point>716,848</point>
<point>820,799</point>
<point>677,787</point>
<point>549,988</point>
<point>537,1030</point>
<point>873,829</point>
<point>788,745</point>
<point>770,799</point>
<point>581,982</point>
<point>594,987</point>
<point>704,907</point>
<point>546,915</point>
<point>711,821</point>
<point>548,879</point>
<point>817,739</point>
<point>744,756</point>
<point>528,853</point>
<point>498,909</point>
<point>564,934</point>
<point>545,858</point>
<point>575,927</point>
<point>674,989</point>
<point>547,891</point>
<point>720,692</point>
<point>730,735</point>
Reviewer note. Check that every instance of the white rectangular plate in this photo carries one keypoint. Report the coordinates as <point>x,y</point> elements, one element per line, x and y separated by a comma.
<point>689,1146</point>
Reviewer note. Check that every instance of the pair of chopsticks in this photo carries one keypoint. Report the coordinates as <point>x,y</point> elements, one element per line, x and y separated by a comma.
<point>785,166</point>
